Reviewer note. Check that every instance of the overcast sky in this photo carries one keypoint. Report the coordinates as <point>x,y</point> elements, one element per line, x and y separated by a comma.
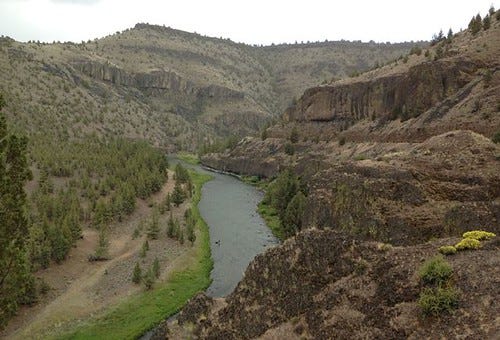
<point>250,21</point>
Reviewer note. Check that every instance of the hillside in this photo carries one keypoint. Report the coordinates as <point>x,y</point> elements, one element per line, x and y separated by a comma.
<point>173,88</point>
<point>367,179</point>
<point>403,153</point>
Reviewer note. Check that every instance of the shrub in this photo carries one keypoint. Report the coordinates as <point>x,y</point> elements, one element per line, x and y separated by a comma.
<point>438,300</point>
<point>342,141</point>
<point>496,137</point>
<point>447,250</point>
<point>289,149</point>
<point>478,235</point>
<point>435,271</point>
<point>294,135</point>
<point>468,243</point>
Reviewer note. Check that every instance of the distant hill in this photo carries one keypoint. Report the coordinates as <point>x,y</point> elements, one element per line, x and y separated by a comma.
<point>173,88</point>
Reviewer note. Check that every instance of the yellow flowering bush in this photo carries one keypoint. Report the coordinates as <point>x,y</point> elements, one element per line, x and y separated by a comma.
<point>478,235</point>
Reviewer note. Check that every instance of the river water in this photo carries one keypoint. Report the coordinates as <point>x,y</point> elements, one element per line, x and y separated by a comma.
<point>237,232</point>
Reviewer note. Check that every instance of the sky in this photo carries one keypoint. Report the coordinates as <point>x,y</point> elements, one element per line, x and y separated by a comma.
<point>250,21</point>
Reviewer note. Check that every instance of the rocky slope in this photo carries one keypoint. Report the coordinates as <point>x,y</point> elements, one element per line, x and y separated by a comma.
<point>401,154</point>
<point>323,285</point>
<point>174,88</point>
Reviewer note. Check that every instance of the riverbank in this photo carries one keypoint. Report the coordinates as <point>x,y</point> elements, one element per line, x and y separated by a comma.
<point>143,311</point>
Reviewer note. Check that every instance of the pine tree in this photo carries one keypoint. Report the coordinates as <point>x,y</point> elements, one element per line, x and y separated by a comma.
<point>178,194</point>
<point>144,249</point>
<point>14,266</point>
<point>181,236</point>
<point>486,22</point>
<point>154,226</point>
<point>294,135</point>
<point>102,249</point>
<point>292,220</point>
<point>170,226</point>
<point>156,267</point>
<point>149,279</point>
<point>137,274</point>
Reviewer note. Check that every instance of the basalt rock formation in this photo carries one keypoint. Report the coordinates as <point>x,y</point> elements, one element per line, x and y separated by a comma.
<point>323,285</point>
<point>402,154</point>
<point>176,89</point>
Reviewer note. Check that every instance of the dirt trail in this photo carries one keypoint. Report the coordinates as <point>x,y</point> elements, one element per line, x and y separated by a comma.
<point>81,289</point>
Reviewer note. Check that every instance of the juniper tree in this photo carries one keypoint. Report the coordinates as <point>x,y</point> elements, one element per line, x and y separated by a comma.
<point>156,267</point>
<point>154,226</point>
<point>137,273</point>
<point>14,266</point>
<point>178,194</point>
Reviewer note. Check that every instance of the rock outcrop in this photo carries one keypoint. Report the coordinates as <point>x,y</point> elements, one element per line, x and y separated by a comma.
<point>323,285</point>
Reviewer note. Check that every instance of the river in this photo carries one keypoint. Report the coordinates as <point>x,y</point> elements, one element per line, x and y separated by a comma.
<point>237,232</point>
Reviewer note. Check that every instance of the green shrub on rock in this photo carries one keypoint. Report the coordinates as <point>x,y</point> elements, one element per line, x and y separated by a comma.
<point>447,250</point>
<point>478,235</point>
<point>468,243</point>
<point>437,301</point>
<point>435,271</point>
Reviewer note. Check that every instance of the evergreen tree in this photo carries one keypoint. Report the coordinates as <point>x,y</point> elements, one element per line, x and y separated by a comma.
<point>154,226</point>
<point>178,194</point>
<point>102,249</point>
<point>137,274</point>
<point>475,24</point>
<point>292,220</point>
<point>486,22</point>
<point>181,236</point>
<point>191,236</point>
<point>14,267</point>
<point>144,249</point>
<point>181,173</point>
<point>294,135</point>
<point>149,279</point>
<point>156,268</point>
<point>449,36</point>
<point>170,226</point>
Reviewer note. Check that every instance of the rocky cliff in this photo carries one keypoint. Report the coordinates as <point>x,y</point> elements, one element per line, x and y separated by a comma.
<point>178,90</point>
<point>401,154</point>
<point>324,285</point>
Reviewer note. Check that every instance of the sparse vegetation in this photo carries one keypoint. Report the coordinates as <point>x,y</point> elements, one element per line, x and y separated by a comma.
<point>438,294</point>
<point>139,313</point>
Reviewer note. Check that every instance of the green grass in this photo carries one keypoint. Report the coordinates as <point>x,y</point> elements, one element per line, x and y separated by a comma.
<point>269,215</point>
<point>141,312</point>
<point>189,158</point>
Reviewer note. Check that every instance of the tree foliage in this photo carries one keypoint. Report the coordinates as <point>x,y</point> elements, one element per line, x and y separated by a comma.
<point>15,278</point>
<point>287,195</point>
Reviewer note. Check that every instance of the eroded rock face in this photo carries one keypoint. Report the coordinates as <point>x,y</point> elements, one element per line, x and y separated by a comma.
<point>153,80</point>
<point>410,93</point>
<point>324,284</point>
<point>402,193</point>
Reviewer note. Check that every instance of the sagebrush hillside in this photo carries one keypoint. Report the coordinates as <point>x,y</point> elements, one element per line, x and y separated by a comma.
<point>403,153</point>
<point>173,88</point>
